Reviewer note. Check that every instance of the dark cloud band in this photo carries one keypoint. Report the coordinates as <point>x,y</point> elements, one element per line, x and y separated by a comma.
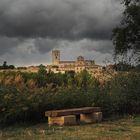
<point>61,19</point>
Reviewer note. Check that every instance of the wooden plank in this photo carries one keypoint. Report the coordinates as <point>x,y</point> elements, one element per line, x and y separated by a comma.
<point>75,111</point>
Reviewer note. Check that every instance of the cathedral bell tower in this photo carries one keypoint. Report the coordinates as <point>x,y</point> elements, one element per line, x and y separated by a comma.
<point>55,57</point>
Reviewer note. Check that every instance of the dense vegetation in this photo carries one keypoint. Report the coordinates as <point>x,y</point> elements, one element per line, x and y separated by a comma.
<point>26,96</point>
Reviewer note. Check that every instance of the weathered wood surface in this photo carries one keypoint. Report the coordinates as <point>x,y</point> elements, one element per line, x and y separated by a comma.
<point>63,120</point>
<point>75,111</point>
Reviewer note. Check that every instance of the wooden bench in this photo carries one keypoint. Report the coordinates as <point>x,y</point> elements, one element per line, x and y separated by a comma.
<point>73,116</point>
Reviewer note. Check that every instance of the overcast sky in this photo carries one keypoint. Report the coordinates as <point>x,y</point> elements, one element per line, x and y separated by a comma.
<point>31,29</point>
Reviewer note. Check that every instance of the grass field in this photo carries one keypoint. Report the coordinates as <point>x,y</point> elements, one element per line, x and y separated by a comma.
<point>126,128</point>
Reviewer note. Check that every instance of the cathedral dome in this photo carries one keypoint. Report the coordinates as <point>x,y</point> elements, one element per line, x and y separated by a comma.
<point>80,58</point>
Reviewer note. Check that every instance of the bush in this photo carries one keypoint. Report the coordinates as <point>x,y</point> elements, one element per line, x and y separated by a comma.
<point>27,105</point>
<point>24,97</point>
<point>125,93</point>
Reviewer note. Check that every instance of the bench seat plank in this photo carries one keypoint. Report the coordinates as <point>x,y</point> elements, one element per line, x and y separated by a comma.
<point>75,111</point>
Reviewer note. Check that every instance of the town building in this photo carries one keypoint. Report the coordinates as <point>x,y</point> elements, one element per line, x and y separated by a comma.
<point>75,66</point>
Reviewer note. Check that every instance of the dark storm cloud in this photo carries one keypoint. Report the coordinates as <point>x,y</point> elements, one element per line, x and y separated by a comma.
<point>59,19</point>
<point>30,29</point>
<point>45,45</point>
<point>103,46</point>
<point>7,44</point>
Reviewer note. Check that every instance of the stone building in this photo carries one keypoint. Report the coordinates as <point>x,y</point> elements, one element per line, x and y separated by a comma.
<point>76,66</point>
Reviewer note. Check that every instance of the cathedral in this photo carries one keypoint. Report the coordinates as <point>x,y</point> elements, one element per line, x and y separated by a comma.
<point>75,66</point>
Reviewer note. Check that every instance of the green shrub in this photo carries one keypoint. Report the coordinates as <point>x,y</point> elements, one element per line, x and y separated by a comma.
<point>125,93</point>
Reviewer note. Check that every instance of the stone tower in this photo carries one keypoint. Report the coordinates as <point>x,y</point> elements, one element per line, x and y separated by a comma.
<point>55,57</point>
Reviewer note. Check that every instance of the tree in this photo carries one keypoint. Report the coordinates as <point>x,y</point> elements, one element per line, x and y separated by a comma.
<point>11,66</point>
<point>85,80</point>
<point>42,76</point>
<point>5,65</point>
<point>42,70</point>
<point>126,37</point>
<point>123,66</point>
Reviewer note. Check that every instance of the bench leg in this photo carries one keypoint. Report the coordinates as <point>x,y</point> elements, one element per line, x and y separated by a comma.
<point>98,116</point>
<point>91,117</point>
<point>63,120</point>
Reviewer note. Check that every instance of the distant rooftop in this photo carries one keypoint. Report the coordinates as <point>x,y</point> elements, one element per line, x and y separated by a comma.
<point>67,61</point>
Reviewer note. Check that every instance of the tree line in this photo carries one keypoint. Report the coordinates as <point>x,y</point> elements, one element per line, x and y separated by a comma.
<point>5,66</point>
